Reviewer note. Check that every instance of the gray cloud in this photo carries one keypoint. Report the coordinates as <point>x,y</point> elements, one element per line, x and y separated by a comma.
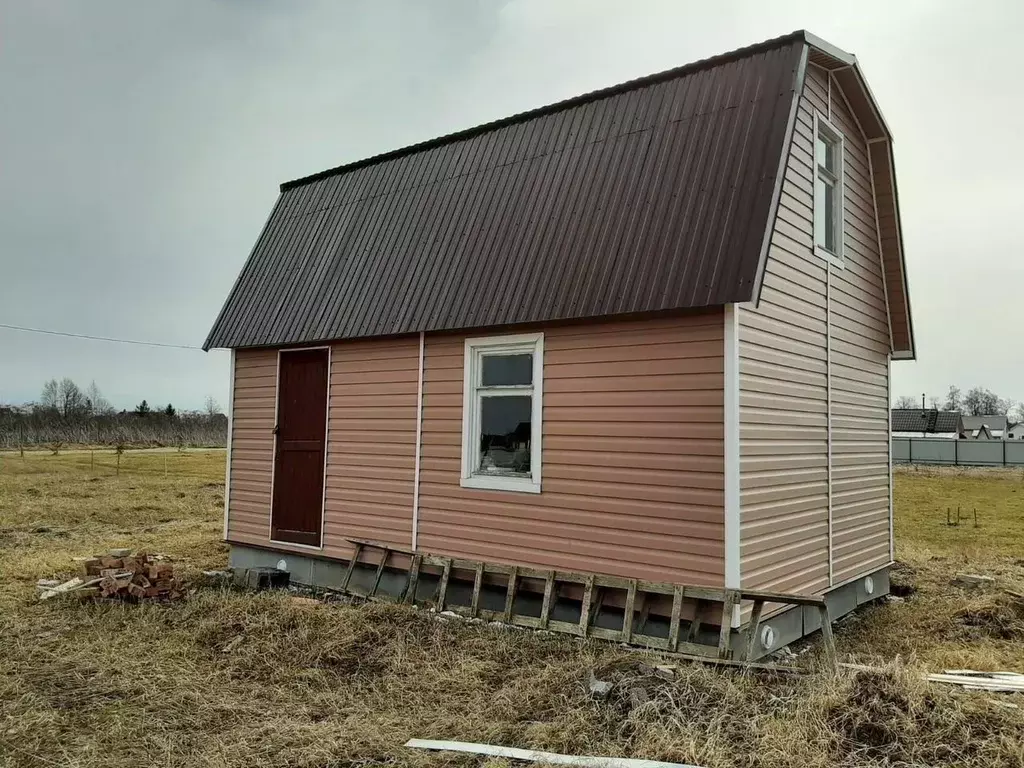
<point>141,146</point>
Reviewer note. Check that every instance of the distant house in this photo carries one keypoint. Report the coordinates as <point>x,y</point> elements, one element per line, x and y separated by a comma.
<point>985,427</point>
<point>1015,431</point>
<point>927,422</point>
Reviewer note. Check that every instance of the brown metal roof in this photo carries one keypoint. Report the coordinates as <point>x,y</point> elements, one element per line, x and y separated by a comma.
<point>652,195</point>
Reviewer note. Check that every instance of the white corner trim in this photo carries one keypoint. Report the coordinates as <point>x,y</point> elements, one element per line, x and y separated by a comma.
<point>470,416</point>
<point>419,443</point>
<point>731,353</point>
<point>828,416</point>
<point>888,403</point>
<point>231,422</point>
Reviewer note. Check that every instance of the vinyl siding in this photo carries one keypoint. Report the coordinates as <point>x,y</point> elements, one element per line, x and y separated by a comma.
<point>253,405</point>
<point>860,364</point>
<point>784,413</point>
<point>633,478</point>
<point>632,474</point>
<point>371,445</point>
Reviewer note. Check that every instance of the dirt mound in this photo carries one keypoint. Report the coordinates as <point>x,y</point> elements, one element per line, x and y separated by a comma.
<point>888,718</point>
<point>902,580</point>
<point>1000,617</point>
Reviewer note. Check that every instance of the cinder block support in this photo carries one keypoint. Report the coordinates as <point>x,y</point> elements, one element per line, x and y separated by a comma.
<point>261,577</point>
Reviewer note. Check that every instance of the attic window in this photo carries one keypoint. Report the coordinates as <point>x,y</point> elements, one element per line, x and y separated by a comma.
<point>828,189</point>
<point>501,413</point>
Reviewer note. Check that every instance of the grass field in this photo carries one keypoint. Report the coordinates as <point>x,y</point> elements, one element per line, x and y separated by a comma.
<point>335,685</point>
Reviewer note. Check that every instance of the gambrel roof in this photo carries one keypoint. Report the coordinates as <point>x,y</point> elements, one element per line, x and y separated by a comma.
<point>658,194</point>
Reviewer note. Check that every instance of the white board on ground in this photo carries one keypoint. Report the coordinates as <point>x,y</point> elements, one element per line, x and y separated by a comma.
<point>535,756</point>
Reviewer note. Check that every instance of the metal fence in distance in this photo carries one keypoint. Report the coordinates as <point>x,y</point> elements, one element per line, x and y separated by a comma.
<point>958,453</point>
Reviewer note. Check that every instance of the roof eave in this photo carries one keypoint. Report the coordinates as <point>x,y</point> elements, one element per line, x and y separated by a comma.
<point>780,176</point>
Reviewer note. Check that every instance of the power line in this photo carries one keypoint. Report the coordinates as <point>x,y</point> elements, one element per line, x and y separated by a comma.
<point>97,338</point>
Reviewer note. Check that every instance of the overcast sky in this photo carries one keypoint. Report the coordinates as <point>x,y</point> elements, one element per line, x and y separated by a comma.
<point>142,144</point>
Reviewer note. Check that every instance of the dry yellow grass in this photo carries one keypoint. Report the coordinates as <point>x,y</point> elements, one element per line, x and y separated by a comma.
<point>941,626</point>
<point>336,685</point>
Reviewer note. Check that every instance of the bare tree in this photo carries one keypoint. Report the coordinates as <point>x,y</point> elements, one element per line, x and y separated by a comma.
<point>953,400</point>
<point>71,400</point>
<point>50,399</point>
<point>934,402</point>
<point>1018,412</point>
<point>983,402</point>
<point>212,407</point>
<point>98,404</point>
<point>906,401</point>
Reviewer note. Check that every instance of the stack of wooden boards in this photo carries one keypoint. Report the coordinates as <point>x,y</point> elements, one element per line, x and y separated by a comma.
<point>121,574</point>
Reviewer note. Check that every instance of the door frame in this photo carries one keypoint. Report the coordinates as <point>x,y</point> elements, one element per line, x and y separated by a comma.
<point>273,456</point>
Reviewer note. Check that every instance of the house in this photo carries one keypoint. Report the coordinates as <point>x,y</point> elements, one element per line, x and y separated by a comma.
<point>642,333</point>
<point>991,427</point>
<point>1015,431</point>
<point>927,422</point>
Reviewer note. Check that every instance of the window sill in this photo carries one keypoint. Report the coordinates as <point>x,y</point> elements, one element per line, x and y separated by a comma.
<point>824,253</point>
<point>501,483</point>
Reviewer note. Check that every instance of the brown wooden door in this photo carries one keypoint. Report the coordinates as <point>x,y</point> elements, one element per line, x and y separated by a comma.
<point>300,447</point>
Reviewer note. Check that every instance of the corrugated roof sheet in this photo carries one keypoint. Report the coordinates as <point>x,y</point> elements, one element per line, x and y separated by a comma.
<point>653,195</point>
<point>926,420</point>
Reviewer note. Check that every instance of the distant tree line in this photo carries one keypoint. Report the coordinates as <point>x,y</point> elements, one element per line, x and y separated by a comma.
<point>978,401</point>
<point>65,414</point>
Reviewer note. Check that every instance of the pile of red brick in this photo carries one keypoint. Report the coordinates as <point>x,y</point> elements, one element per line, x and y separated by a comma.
<point>141,575</point>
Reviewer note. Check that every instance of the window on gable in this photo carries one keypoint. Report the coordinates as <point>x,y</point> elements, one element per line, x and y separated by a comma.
<point>501,413</point>
<point>828,189</point>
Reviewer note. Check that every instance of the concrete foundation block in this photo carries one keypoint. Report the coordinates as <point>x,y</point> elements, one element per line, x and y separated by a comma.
<point>261,577</point>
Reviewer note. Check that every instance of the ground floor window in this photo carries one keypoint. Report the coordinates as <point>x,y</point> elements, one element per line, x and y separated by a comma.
<point>501,412</point>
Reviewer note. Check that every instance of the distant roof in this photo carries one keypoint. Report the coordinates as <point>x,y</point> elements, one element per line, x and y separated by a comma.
<point>925,420</point>
<point>658,194</point>
<point>993,422</point>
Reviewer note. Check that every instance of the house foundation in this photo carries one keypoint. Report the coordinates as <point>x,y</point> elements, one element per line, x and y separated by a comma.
<point>773,632</point>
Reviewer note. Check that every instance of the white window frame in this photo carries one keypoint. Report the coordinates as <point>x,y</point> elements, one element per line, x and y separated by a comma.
<point>474,351</point>
<point>822,126</point>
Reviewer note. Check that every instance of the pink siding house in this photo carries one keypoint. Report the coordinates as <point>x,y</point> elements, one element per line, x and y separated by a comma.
<point>643,333</point>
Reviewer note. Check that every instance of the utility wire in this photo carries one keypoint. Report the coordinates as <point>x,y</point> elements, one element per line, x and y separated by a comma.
<point>97,338</point>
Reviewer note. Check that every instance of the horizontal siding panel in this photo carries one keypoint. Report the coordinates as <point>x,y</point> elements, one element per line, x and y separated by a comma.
<point>451,495</point>
<point>663,547</point>
<point>253,413</point>
<point>687,569</point>
<point>633,473</point>
<point>605,383</point>
<point>371,442</point>
<point>638,352</point>
<point>760,386</point>
<point>370,445</point>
